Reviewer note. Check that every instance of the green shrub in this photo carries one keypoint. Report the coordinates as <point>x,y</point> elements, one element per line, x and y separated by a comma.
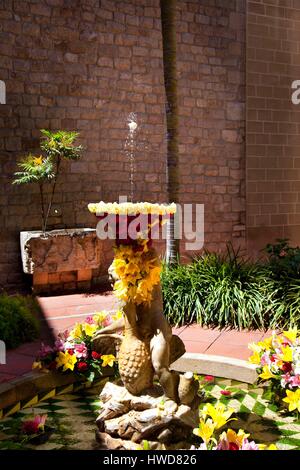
<point>284,274</point>
<point>18,323</point>
<point>225,290</point>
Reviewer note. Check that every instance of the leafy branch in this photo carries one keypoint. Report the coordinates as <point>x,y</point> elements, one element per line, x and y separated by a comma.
<point>45,168</point>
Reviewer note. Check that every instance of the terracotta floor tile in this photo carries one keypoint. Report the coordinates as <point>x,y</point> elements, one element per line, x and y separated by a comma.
<point>16,364</point>
<point>240,337</point>
<point>28,349</point>
<point>197,333</point>
<point>179,330</point>
<point>197,346</point>
<point>229,350</point>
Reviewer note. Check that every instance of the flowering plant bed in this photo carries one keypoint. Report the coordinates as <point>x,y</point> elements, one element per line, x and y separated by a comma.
<point>213,418</point>
<point>73,350</point>
<point>278,363</point>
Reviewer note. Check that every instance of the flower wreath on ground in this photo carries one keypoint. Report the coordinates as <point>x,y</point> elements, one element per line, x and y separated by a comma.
<point>278,363</point>
<point>73,349</point>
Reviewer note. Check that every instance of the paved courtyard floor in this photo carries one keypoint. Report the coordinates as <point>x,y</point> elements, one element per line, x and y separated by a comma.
<point>70,412</point>
<point>62,312</point>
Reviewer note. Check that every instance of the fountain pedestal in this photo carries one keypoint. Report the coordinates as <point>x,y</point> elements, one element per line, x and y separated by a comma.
<point>126,420</point>
<point>138,410</point>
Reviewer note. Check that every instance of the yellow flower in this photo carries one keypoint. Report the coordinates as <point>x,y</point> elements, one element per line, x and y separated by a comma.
<point>119,266</point>
<point>255,358</point>
<point>117,316</point>
<point>205,430</point>
<point>38,160</point>
<point>89,329</point>
<point>108,360</point>
<point>291,334</point>
<point>272,447</point>
<point>121,290</point>
<point>293,399</point>
<point>76,333</point>
<point>219,414</point>
<point>287,354</point>
<point>37,365</point>
<point>98,317</point>
<point>266,344</point>
<point>254,347</point>
<point>236,438</point>
<point>65,360</point>
<point>266,373</point>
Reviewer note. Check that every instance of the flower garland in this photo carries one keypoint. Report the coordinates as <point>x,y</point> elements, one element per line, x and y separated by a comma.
<point>278,361</point>
<point>73,350</point>
<point>131,208</point>
<point>137,271</point>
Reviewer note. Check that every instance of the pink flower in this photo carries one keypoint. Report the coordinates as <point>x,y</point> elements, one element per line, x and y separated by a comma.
<point>81,350</point>
<point>59,345</point>
<point>89,320</point>
<point>225,445</point>
<point>209,378</point>
<point>64,335</point>
<point>285,379</point>
<point>34,425</point>
<point>107,321</point>
<point>45,350</point>
<point>249,445</point>
<point>265,359</point>
<point>226,393</point>
<point>295,381</point>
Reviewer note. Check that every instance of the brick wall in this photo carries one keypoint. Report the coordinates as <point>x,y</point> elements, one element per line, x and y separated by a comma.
<point>79,65</point>
<point>273,122</point>
<point>211,72</point>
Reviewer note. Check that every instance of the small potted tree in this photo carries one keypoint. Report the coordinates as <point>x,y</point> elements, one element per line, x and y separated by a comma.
<point>61,258</point>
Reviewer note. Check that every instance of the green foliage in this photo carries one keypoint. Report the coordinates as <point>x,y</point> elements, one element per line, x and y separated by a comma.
<point>18,323</point>
<point>34,170</point>
<point>60,144</point>
<point>225,290</point>
<point>45,168</point>
<point>284,275</point>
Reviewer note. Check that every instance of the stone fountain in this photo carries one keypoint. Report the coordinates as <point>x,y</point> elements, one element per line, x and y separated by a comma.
<point>151,402</point>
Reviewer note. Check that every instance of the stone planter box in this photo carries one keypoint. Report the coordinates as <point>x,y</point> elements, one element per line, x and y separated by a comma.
<point>60,259</point>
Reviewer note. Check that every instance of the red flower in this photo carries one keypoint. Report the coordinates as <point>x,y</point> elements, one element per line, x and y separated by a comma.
<point>286,367</point>
<point>96,356</point>
<point>82,366</point>
<point>209,378</point>
<point>225,392</point>
<point>71,351</point>
<point>233,446</point>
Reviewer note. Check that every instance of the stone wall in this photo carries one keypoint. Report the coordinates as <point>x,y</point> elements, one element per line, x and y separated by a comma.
<point>87,65</point>
<point>79,65</point>
<point>273,124</point>
<point>211,87</point>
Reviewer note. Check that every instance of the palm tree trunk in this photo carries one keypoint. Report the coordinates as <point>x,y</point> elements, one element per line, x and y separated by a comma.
<point>168,21</point>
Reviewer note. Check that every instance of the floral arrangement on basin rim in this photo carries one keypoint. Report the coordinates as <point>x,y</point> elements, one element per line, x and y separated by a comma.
<point>73,349</point>
<point>212,419</point>
<point>278,362</point>
<point>131,208</point>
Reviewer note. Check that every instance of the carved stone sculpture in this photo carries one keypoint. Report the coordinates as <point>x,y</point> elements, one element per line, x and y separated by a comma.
<point>145,349</point>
